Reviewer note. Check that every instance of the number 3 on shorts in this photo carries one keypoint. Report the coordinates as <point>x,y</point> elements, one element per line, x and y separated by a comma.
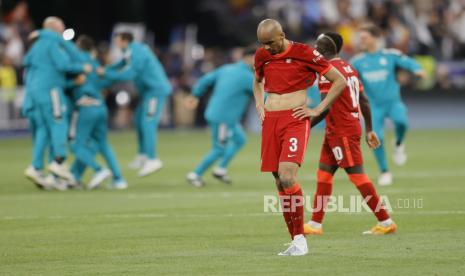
<point>293,146</point>
<point>337,151</point>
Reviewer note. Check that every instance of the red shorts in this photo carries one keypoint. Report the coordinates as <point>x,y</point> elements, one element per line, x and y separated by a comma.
<point>341,151</point>
<point>284,139</point>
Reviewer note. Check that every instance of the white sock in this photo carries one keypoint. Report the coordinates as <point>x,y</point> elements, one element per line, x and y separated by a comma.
<point>315,225</point>
<point>298,237</point>
<point>386,223</point>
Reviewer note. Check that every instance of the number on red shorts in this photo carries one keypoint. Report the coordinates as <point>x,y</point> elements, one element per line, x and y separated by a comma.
<point>337,151</point>
<point>293,146</point>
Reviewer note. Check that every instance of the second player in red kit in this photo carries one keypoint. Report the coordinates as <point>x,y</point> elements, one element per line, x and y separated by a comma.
<point>341,146</point>
<point>285,69</point>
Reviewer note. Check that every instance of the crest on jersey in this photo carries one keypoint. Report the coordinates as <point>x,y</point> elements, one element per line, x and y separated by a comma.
<point>323,79</point>
<point>383,61</point>
<point>288,60</point>
<point>316,53</point>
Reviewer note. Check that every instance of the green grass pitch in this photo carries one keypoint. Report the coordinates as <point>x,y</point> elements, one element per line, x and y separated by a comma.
<point>162,226</point>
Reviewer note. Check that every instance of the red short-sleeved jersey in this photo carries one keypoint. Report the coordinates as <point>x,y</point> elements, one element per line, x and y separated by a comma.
<point>344,116</point>
<point>294,69</point>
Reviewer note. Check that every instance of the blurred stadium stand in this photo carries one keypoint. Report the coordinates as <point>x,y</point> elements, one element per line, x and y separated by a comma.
<point>201,35</point>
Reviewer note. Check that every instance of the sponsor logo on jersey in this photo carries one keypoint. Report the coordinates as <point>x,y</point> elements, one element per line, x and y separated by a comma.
<point>383,61</point>
<point>375,76</point>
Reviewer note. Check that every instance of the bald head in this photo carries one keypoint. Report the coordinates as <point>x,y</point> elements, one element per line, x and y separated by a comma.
<point>269,27</point>
<point>270,34</point>
<point>54,23</point>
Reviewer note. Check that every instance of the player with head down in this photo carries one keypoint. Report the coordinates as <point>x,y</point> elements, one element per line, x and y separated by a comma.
<point>285,69</point>
<point>341,146</point>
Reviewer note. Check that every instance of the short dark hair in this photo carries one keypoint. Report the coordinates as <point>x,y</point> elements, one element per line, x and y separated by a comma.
<point>85,43</point>
<point>126,36</point>
<point>329,43</point>
<point>371,29</point>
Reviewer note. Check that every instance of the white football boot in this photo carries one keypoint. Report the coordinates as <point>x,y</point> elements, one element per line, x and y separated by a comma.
<point>137,162</point>
<point>150,166</point>
<point>298,247</point>
<point>385,179</point>
<point>119,185</point>
<point>195,180</point>
<point>98,178</point>
<point>400,156</point>
<point>61,170</point>
<point>37,177</point>
<point>222,175</point>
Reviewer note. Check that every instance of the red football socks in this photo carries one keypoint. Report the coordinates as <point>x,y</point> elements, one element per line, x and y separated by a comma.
<point>366,188</point>
<point>285,201</point>
<point>324,189</point>
<point>295,209</point>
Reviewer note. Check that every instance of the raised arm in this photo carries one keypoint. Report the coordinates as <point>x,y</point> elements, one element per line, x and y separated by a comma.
<point>63,63</point>
<point>408,63</point>
<point>205,82</point>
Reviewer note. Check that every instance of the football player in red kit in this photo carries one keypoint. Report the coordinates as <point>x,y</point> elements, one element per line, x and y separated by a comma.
<point>341,146</point>
<point>285,69</point>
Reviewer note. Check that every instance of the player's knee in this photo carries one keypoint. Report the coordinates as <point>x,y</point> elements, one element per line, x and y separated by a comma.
<point>401,124</point>
<point>286,179</point>
<point>240,140</point>
<point>218,149</point>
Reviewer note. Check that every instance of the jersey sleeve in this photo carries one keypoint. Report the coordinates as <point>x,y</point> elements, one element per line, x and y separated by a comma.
<point>323,84</point>
<point>315,61</point>
<point>258,64</point>
<point>205,82</point>
<point>404,61</point>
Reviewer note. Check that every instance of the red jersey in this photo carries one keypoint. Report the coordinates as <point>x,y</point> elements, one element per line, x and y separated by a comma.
<point>292,70</point>
<point>343,118</point>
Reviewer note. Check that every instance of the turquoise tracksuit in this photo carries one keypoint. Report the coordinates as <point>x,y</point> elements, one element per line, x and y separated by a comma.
<point>36,124</point>
<point>378,73</point>
<point>142,67</point>
<point>232,90</point>
<point>92,125</point>
<point>48,62</point>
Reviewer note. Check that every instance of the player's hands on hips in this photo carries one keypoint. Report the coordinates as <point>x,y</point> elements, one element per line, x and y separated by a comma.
<point>191,102</point>
<point>303,112</point>
<point>261,112</point>
<point>372,140</point>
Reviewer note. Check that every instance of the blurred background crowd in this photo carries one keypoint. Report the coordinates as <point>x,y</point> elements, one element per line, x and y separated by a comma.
<point>200,35</point>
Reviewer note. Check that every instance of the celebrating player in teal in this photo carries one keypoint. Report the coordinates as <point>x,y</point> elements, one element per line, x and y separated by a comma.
<point>232,90</point>
<point>92,125</point>
<point>143,67</point>
<point>377,69</point>
<point>47,64</point>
